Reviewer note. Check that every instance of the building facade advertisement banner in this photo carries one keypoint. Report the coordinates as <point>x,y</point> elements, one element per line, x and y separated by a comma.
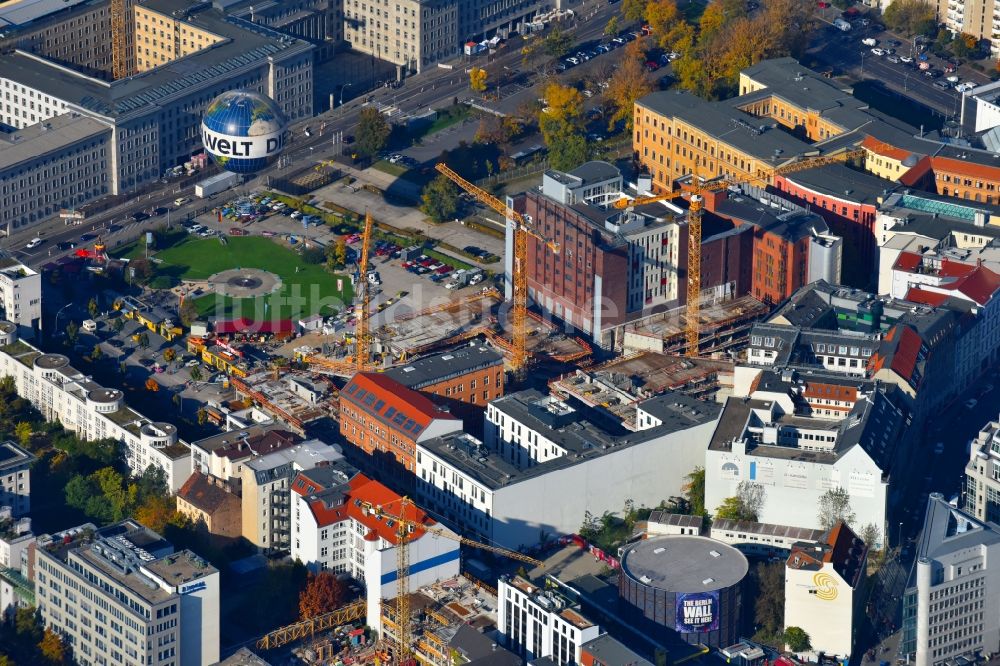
<point>697,612</point>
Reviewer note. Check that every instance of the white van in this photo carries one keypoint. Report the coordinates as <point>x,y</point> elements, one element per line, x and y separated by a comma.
<point>89,325</point>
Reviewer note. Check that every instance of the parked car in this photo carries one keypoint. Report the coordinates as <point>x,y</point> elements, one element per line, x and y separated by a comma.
<point>877,51</point>
<point>33,243</point>
<point>65,245</point>
<point>140,216</point>
<point>906,59</point>
<point>892,58</point>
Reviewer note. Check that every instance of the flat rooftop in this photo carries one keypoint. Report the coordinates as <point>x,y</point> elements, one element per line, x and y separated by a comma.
<point>681,563</point>
<point>244,43</point>
<point>837,180</point>
<point>19,13</point>
<point>12,455</point>
<point>180,568</point>
<point>57,134</point>
<point>437,368</point>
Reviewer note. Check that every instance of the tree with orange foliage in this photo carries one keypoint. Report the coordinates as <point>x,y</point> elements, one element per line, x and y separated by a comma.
<point>157,511</point>
<point>52,647</point>
<point>151,385</point>
<point>564,103</point>
<point>477,79</point>
<point>323,593</point>
<point>629,82</point>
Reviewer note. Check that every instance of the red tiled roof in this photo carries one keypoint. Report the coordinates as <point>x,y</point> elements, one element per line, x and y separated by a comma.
<point>882,148</point>
<point>965,167</point>
<point>900,348</point>
<point>846,554</point>
<point>916,172</point>
<point>980,285</point>
<point>202,494</point>
<point>932,298</point>
<point>364,490</point>
<point>395,405</point>
<point>907,261</point>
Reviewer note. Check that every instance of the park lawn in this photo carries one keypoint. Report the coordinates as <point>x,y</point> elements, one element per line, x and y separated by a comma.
<point>309,290</point>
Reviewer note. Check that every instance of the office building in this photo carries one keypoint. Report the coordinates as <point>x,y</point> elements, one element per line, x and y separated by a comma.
<point>982,475</point>
<point>349,524</point>
<point>951,607</point>
<point>121,594</point>
<point>15,478</point>
<point>56,163</point>
<point>20,297</point>
<point>16,542</point>
<point>384,419</point>
<point>799,435</point>
<point>184,56</point>
<point>266,490</point>
<point>537,447</point>
<point>62,393</point>
<point>536,623</point>
<point>824,593</point>
<point>472,374</point>
<point>412,34</point>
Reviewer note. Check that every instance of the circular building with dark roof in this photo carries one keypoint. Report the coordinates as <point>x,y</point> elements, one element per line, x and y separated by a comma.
<point>689,584</point>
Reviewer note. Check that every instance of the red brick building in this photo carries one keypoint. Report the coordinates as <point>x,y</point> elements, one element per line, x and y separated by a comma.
<point>472,374</point>
<point>385,420</point>
<point>848,200</point>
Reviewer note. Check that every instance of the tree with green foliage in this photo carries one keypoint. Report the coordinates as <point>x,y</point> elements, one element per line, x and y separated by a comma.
<point>373,131</point>
<point>834,506</point>
<point>440,199</point>
<point>797,639</point>
<point>92,307</point>
<point>694,491</point>
<point>769,599</point>
<point>567,145</point>
<point>188,312</point>
<point>336,255</point>
<point>558,43</point>
<point>634,10</point>
<point>24,432</point>
<point>611,28</point>
<point>195,373</point>
<point>144,340</point>
<point>96,353</point>
<point>72,332</point>
<point>202,417</point>
<point>118,324</point>
<point>745,505</point>
<point>908,17</point>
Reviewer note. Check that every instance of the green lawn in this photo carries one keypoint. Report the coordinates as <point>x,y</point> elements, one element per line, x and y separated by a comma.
<point>308,290</point>
<point>386,166</point>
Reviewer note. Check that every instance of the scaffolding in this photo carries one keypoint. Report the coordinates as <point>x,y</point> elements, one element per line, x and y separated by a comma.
<point>294,632</point>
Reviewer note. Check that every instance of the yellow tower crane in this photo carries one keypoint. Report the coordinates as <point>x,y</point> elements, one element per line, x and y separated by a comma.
<point>519,277</point>
<point>119,39</point>
<point>405,529</point>
<point>362,338</point>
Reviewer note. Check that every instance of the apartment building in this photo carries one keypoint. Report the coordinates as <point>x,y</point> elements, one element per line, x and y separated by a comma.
<point>224,455</point>
<point>16,541</point>
<point>122,595</point>
<point>537,446</point>
<point>979,18</point>
<point>951,607</point>
<point>20,297</point>
<point>15,478</point>
<point>62,393</point>
<point>57,162</point>
<point>385,420</point>
<point>161,38</point>
<point>266,490</point>
<point>537,623</point>
<point>785,435</point>
<point>412,34</point>
<point>350,525</point>
<point>206,503</point>
<point>473,374</point>
<point>823,590</point>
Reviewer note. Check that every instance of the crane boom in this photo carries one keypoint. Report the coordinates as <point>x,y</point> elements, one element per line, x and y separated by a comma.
<point>519,270</point>
<point>119,39</point>
<point>362,339</point>
<point>622,204</point>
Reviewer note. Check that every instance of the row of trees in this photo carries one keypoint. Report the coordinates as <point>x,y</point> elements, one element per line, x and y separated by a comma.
<point>27,642</point>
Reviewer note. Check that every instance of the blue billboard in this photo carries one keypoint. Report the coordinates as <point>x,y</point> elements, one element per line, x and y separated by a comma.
<point>697,612</point>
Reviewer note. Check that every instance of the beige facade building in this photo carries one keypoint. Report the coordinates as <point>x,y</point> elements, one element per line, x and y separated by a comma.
<point>161,38</point>
<point>205,502</point>
<point>979,18</point>
<point>410,33</point>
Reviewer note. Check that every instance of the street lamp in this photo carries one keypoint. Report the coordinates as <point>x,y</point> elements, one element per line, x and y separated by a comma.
<point>342,89</point>
<point>59,312</point>
<point>899,535</point>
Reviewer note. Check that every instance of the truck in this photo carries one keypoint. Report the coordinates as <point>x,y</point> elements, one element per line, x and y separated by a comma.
<point>462,277</point>
<point>217,183</point>
<point>842,25</point>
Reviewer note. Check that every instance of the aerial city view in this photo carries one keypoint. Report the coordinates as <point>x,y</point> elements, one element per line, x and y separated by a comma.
<point>499,333</point>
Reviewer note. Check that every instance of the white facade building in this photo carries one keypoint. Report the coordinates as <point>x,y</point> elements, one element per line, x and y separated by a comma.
<point>954,607</point>
<point>537,447</point>
<point>121,595</point>
<point>335,527</point>
<point>20,296</point>
<point>787,437</point>
<point>982,475</point>
<point>535,623</point>
<point>63,393</point>
<point>823,592</point>
<point>15,480</point>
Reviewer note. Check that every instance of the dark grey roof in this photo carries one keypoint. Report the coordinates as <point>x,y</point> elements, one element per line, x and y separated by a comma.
<point>676,519</point>
<point>947,530</point>
<point>245,44</point>
<point>243,657</point>
<point>767,529</point>
<point>837,180</point>
<point>585,436</point>
<point>682,563</point>
<point>611,652</point>
<point>678,410</point>
<point>12,455</point>
<point>441,367</point>
<point>596,171</point>
<point>728,124</point>
<point>790,225</point>
<point>480,650</point>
